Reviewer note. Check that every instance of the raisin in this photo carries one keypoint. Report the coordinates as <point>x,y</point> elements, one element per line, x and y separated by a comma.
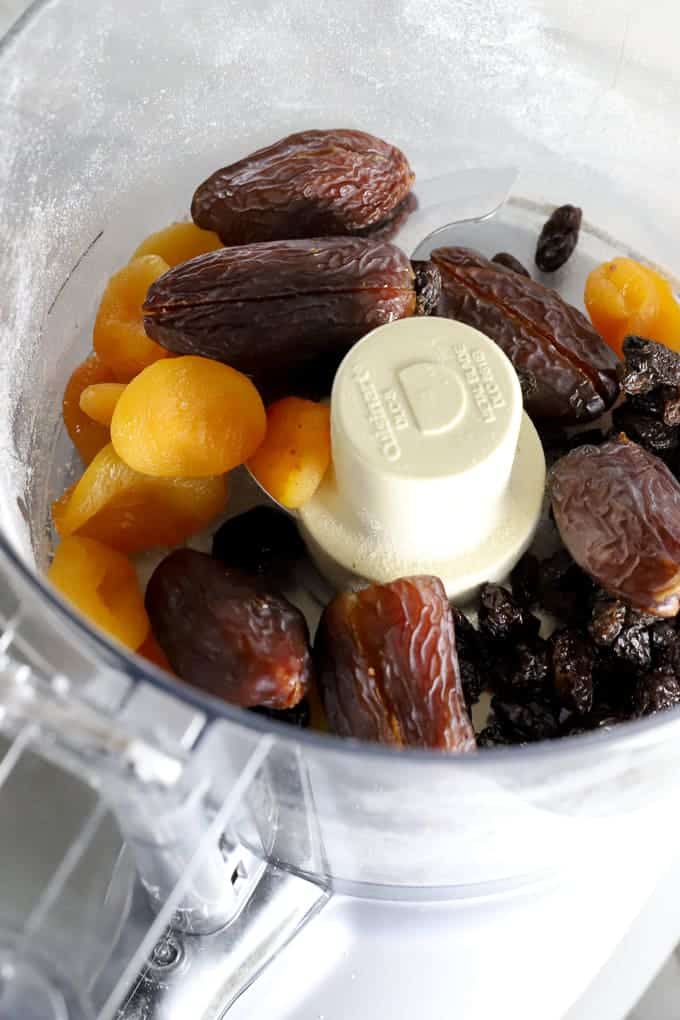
<point>473,658</point>
<point>428,286</point>
<point>558,238</point>
<point>526,717</point>
<point>261,541</point>
<point>227,632</point>
<point>574,369</point>
<point>493,735</point>
<point>651,373</point>
<point>573,660</point>
<point>607,621</point>
<point>503,258</point>
<point>309,184</point>
<point>300,715</point>
<point>502,618</point>
<point>618,512</point>
<point>272,309</point>
<point>656,691</point>
<point>525,579</point>
<point>665,646</point>
<point>564,589</point>
<point>646,430</point>
<point>525,666</point>
<point>388,669</point>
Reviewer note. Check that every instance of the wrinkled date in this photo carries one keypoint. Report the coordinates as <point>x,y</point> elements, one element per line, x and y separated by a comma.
<point>388,668</point>
<point>617,508</point>
<point>558,238</point>
<point>228,634</point>
<point>310,184</point>
<point>268,309</point>
<point>544,337</point>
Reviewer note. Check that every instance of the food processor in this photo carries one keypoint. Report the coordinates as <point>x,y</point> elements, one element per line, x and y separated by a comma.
<point>165,854</point>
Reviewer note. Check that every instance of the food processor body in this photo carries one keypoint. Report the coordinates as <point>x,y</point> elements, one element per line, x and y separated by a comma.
<point>453,882</point>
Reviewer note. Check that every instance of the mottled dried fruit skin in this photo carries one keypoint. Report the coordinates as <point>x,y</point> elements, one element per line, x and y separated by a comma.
<point>388,668</point>
<point>651,377</point>
<point>618,511</point>
<point>428,284</point>
<point>574,370</point>
<point>226,633</point>
<point>558,238</point>
<point>309,184</point>
<point>268,309</point>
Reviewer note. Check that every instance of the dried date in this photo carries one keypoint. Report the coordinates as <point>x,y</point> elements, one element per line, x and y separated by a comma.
<point>558,238</point>
<point>272,309</point>
<point>227,633</point>
<point>309,184</point>
<point>618,512</point>
<point>388,668</point>
<point>574,370</point>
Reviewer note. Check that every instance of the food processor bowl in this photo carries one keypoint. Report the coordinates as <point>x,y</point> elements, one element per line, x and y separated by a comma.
<point>112,113</point>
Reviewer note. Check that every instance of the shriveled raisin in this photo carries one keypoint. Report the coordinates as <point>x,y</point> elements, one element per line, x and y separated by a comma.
<point>654,435</point>
<point>525,666</point>
<point>508,261</point>
<point>526,717</point>
<point>262,541</point>
<point>525,579</point>
<point>428,286</point>
<point>558,238</point>
<point>573,660</point>
<point>502,618</point>
<point>656,691</point>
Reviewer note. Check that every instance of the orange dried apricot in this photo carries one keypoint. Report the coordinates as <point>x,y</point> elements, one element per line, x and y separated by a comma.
<point>99,400</point>
<point>103,585</point>
<point>119,337</point>
<point>188,417</point>
<point>296,451</point>
<point>87,436</point>
<point>178,243</point>
<point>132,512</point>
<point>623,297</point>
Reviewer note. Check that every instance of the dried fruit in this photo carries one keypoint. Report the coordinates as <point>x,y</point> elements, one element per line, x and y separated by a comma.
<point>102,584</point>
<point>607,621</point>
<point>502,619</point>
<point>309,184</point>
<point>524,666</point>
<point>296,451</point>
<point>655,436</point>
<point>99,400</point>
<point>388,669</point>
<point>651,378</point>
<point>188,417</point>
<point>558,238</point>
<point>300,715</point>
<point>428,286</point>
<point>227,633</point>
<point>178,243</point>
<point>656,691</point>
<point>618,511</point>
<point>261,541</point>
<point>503,258</point>
<point>152,652</point>
<point>525,580</point>
<point>133,512</point>
<point>573,660</point>
<point>473,661</point>
<point>574,370</point>
<point>87,436</point>
<point>525,716</point>
<point>270,309</point>
<point>625,297</point>
<point>119,337</point>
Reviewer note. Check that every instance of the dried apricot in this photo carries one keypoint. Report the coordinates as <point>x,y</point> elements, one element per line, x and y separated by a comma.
<point>624,297</point>
<point>178,243</point>
<point>119,337</point>
<point>103,585</point>
<point>99,400</point>
<point>87,435</point>
<point>132,512</point>
<point>188,417</point>
<point>296,451</point>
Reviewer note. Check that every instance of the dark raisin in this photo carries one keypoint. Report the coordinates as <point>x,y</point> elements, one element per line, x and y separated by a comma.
<point>471,657</point>
<point>428,285</point>
<point>527,666</point>
<point>655,691</point>
<point>573,659</point>
<point>633,645</point>
<point>558,238</point>
<point>565,590</point>
<point>665,644</point>
<point>504,258</point>
<point>607,620</point>
<point>502,618</point>
<point>526,717</point>
<point>493,735</point>
<point>300,715</point>
<point>262,541</point>
<point>648,366</point>
<point>654,435</point>
<point>525,579</point>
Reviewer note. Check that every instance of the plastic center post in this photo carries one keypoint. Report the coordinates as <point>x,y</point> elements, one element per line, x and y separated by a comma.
<point>425,422</point>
